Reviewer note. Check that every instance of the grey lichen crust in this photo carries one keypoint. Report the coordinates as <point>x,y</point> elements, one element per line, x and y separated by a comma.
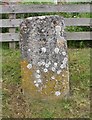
<point>43,45</point>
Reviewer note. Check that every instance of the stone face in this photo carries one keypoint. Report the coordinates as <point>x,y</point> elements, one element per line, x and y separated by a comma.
<point>44,59</point>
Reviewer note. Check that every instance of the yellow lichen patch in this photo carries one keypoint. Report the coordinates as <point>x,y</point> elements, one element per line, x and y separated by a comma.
<point>65,81</point>
<point>24,69</point>
<point>62,83</point>
<point>49,87</point>
<point>51,82</point>
<point>27,78</point>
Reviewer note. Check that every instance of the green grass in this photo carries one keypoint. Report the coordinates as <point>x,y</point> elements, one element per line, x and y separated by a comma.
<point>78,104</point>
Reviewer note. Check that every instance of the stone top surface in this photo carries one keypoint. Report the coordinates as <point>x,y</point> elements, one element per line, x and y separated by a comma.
<point>43,17</point>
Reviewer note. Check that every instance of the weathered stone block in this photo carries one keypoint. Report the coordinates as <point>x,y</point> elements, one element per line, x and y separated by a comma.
<point>44,63</point>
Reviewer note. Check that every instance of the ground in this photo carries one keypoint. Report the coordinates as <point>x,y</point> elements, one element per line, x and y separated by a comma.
<point>16,105</point>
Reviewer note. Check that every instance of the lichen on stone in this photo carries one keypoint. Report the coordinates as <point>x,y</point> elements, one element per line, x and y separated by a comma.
<point>44,59</point>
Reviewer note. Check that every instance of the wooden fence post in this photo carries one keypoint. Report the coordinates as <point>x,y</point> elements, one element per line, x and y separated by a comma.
<point>12,44</point>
